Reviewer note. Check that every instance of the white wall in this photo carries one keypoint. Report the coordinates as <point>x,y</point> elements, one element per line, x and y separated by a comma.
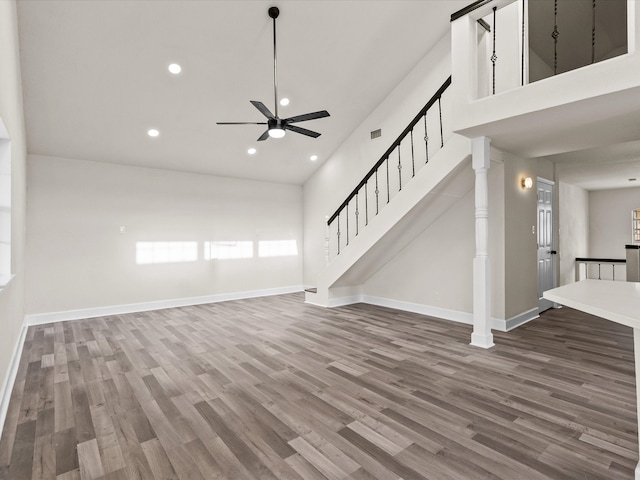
<point>573,206</point>
<point>610,221</point>
<point>79,259</point>
<point>521,280</point>
<point>12,296</point>
<point>436,269</point>
<point>337,177</point>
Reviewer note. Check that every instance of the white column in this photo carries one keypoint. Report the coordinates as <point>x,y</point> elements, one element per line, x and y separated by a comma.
<point>481,336</point>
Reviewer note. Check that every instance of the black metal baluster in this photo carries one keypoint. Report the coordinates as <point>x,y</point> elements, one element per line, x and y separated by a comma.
<point>338,234</point>
<point>593,33</point>
<point>366,204</point>
<point>347,244</point>
<point>413,160</point>
<point>399,170</point>
<point>555,34</point>
<point>357,215</point>
<point>388,195</point>
<point>522,59</point>
<point>377,192</point>
<point>426,137</point>
<point>494,57</point>
<point>440,109</point>
<point>613,271</point>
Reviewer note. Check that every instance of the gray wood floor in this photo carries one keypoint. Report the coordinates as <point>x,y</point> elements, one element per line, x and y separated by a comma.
<point>271,388</point>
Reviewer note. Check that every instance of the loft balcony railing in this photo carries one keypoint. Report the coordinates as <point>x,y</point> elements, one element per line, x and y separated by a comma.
<point>523,41</point>
<point>419,141</point>
<point>601,268</point>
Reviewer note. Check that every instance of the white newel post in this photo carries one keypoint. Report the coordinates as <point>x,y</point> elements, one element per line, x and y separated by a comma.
<point>481,336</point>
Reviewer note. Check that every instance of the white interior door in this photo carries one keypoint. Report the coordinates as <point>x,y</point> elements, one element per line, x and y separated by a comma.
<point>546,250</point>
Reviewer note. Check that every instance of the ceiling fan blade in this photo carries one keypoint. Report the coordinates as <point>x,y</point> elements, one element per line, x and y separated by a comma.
<point>264,136</point>
<point>263,109</point>
<point>303,131</point>
<point>307,116</point>
<point>241,123</point>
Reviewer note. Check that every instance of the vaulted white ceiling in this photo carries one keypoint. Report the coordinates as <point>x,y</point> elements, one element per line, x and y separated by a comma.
<point>95,77</point>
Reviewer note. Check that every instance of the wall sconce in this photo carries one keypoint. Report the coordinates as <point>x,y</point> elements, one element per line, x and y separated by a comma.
<point>526,183</point>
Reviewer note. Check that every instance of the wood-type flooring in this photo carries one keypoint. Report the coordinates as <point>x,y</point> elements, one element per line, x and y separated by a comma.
<point>272,388</point>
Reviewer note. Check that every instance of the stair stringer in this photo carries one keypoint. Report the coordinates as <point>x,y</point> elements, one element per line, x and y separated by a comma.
<point>398,223</point>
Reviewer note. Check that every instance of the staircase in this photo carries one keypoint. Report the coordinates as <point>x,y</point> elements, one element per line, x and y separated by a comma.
<point>398,199</point>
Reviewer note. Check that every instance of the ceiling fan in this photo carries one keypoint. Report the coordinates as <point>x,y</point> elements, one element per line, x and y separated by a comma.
<point>277,126</point>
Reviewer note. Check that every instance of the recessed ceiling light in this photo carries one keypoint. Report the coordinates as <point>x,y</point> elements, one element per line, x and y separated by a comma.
<point>313,158</point>
<point>251,151</point>
<point>152,132</point>
<point>284,102</point>
<point>175,68</point>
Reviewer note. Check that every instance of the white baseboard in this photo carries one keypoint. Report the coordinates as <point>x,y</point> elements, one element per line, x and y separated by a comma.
<point>7,388</point>
<point>42,318</point>
<point>443,313</point>
<point>344,301</point>
<point>437,312</point>
<point>517,320</point>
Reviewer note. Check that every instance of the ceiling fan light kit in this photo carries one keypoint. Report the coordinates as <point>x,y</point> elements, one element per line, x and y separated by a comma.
<point>276,126</point>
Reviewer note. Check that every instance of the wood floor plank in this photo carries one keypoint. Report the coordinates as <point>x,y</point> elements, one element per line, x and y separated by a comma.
<point>273,388</point>
<point>158,460</point>
<point>89,460</point>
<point>66,454</point>
<point>44,458</point>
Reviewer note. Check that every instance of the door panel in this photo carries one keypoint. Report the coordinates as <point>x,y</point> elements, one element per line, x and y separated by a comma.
<point>546,252</point>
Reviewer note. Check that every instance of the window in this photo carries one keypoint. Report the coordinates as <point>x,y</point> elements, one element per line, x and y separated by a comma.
<point>228,249</point>
<point>166,252</point>
<point>635,226</point>
<point>277,248</point>
<point>5,206</point>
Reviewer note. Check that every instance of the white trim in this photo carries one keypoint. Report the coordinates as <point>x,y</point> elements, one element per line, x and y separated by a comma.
<point>42,318</point>
<point>7,388</point>
<point>5,280</point>
<point>344,301</point>
<point>437,312</point>
<point>515,321</point>
<point>482,340</point>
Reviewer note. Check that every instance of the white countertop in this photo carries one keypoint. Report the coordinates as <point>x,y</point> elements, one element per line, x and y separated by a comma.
<point>615,301</point>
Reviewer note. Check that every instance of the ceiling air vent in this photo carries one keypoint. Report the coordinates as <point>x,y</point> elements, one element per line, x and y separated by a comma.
<point>376,133</point>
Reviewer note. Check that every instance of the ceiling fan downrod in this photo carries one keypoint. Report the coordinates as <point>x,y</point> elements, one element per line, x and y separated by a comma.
<point>273,13</point>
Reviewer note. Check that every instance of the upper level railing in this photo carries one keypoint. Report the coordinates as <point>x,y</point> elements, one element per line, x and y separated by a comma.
<point>600,268</point>
<point>523,41</point>
<point>412,149</point>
